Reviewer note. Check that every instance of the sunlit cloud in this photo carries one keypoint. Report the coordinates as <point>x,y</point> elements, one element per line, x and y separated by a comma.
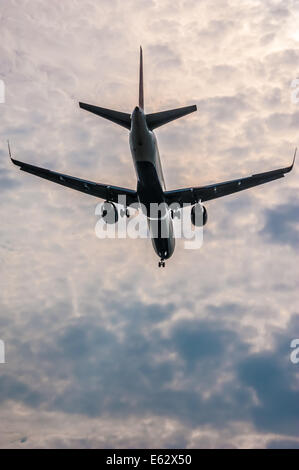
<point>103,349</point>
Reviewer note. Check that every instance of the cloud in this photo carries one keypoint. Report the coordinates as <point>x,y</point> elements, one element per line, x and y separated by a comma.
<point>13,389</point>
<point>273,377</point>
<point>283,445</point>
<point>103,349</point>
<point>281,224</point>
<point>7,183</point>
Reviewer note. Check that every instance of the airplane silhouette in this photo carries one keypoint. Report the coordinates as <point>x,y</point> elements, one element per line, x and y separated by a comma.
<point>150,181</point>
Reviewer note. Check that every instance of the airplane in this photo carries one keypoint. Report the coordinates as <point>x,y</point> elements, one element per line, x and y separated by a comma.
<point>150,181</point>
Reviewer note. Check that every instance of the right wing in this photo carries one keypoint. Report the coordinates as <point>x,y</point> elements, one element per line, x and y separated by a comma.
<point>104,191</point>
<point>213,191</point>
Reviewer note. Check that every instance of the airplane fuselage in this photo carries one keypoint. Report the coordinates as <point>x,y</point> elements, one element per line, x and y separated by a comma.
<point>150,183</point>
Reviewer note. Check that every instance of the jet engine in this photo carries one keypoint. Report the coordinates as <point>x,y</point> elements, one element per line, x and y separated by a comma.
<point>199,215</point>
<point>109,213</point>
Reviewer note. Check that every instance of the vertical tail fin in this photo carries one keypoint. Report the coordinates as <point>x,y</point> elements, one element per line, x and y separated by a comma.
<point>141,97</point>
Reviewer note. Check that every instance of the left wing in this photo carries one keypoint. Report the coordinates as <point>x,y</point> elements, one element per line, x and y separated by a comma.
<point>213,191</point>
<point>104,191</point>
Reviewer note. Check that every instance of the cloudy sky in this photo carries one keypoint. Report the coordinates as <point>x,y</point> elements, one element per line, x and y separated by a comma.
<point>103,349</point>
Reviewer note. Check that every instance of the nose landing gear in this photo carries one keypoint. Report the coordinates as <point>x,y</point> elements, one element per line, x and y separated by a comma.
<point>161,263</point>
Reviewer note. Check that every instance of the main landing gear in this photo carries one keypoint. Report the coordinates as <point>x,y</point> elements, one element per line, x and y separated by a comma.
<point>161,263</point>
<point>125,212</point>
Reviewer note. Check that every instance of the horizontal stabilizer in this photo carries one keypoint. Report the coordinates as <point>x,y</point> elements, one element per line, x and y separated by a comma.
<point>155,120</point>
<point>122,119</point>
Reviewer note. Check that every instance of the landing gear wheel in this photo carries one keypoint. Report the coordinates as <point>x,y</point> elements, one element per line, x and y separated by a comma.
<point>161,264</point>
<point>175,214</point>
<point>124,213</point>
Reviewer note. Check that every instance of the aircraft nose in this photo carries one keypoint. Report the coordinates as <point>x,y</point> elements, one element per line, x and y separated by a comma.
<point>136,109</point>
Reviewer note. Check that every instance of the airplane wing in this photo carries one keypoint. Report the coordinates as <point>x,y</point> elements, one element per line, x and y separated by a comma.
<point>213,191</point>
<point>104,191</point>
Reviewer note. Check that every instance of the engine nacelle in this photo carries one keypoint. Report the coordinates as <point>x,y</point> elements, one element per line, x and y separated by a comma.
<point>199,215</point>
<point>109,213</point>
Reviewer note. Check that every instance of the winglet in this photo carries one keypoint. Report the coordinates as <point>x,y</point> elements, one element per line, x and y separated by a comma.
<point>141,95</point>
<point>9,152</point>
<point>289,168</point>
<point>15,162</point>
<point>294,158</point>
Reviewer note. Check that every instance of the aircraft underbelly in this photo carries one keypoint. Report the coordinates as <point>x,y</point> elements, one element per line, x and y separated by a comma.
<point>163,241</point>
<point>150,185</point>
